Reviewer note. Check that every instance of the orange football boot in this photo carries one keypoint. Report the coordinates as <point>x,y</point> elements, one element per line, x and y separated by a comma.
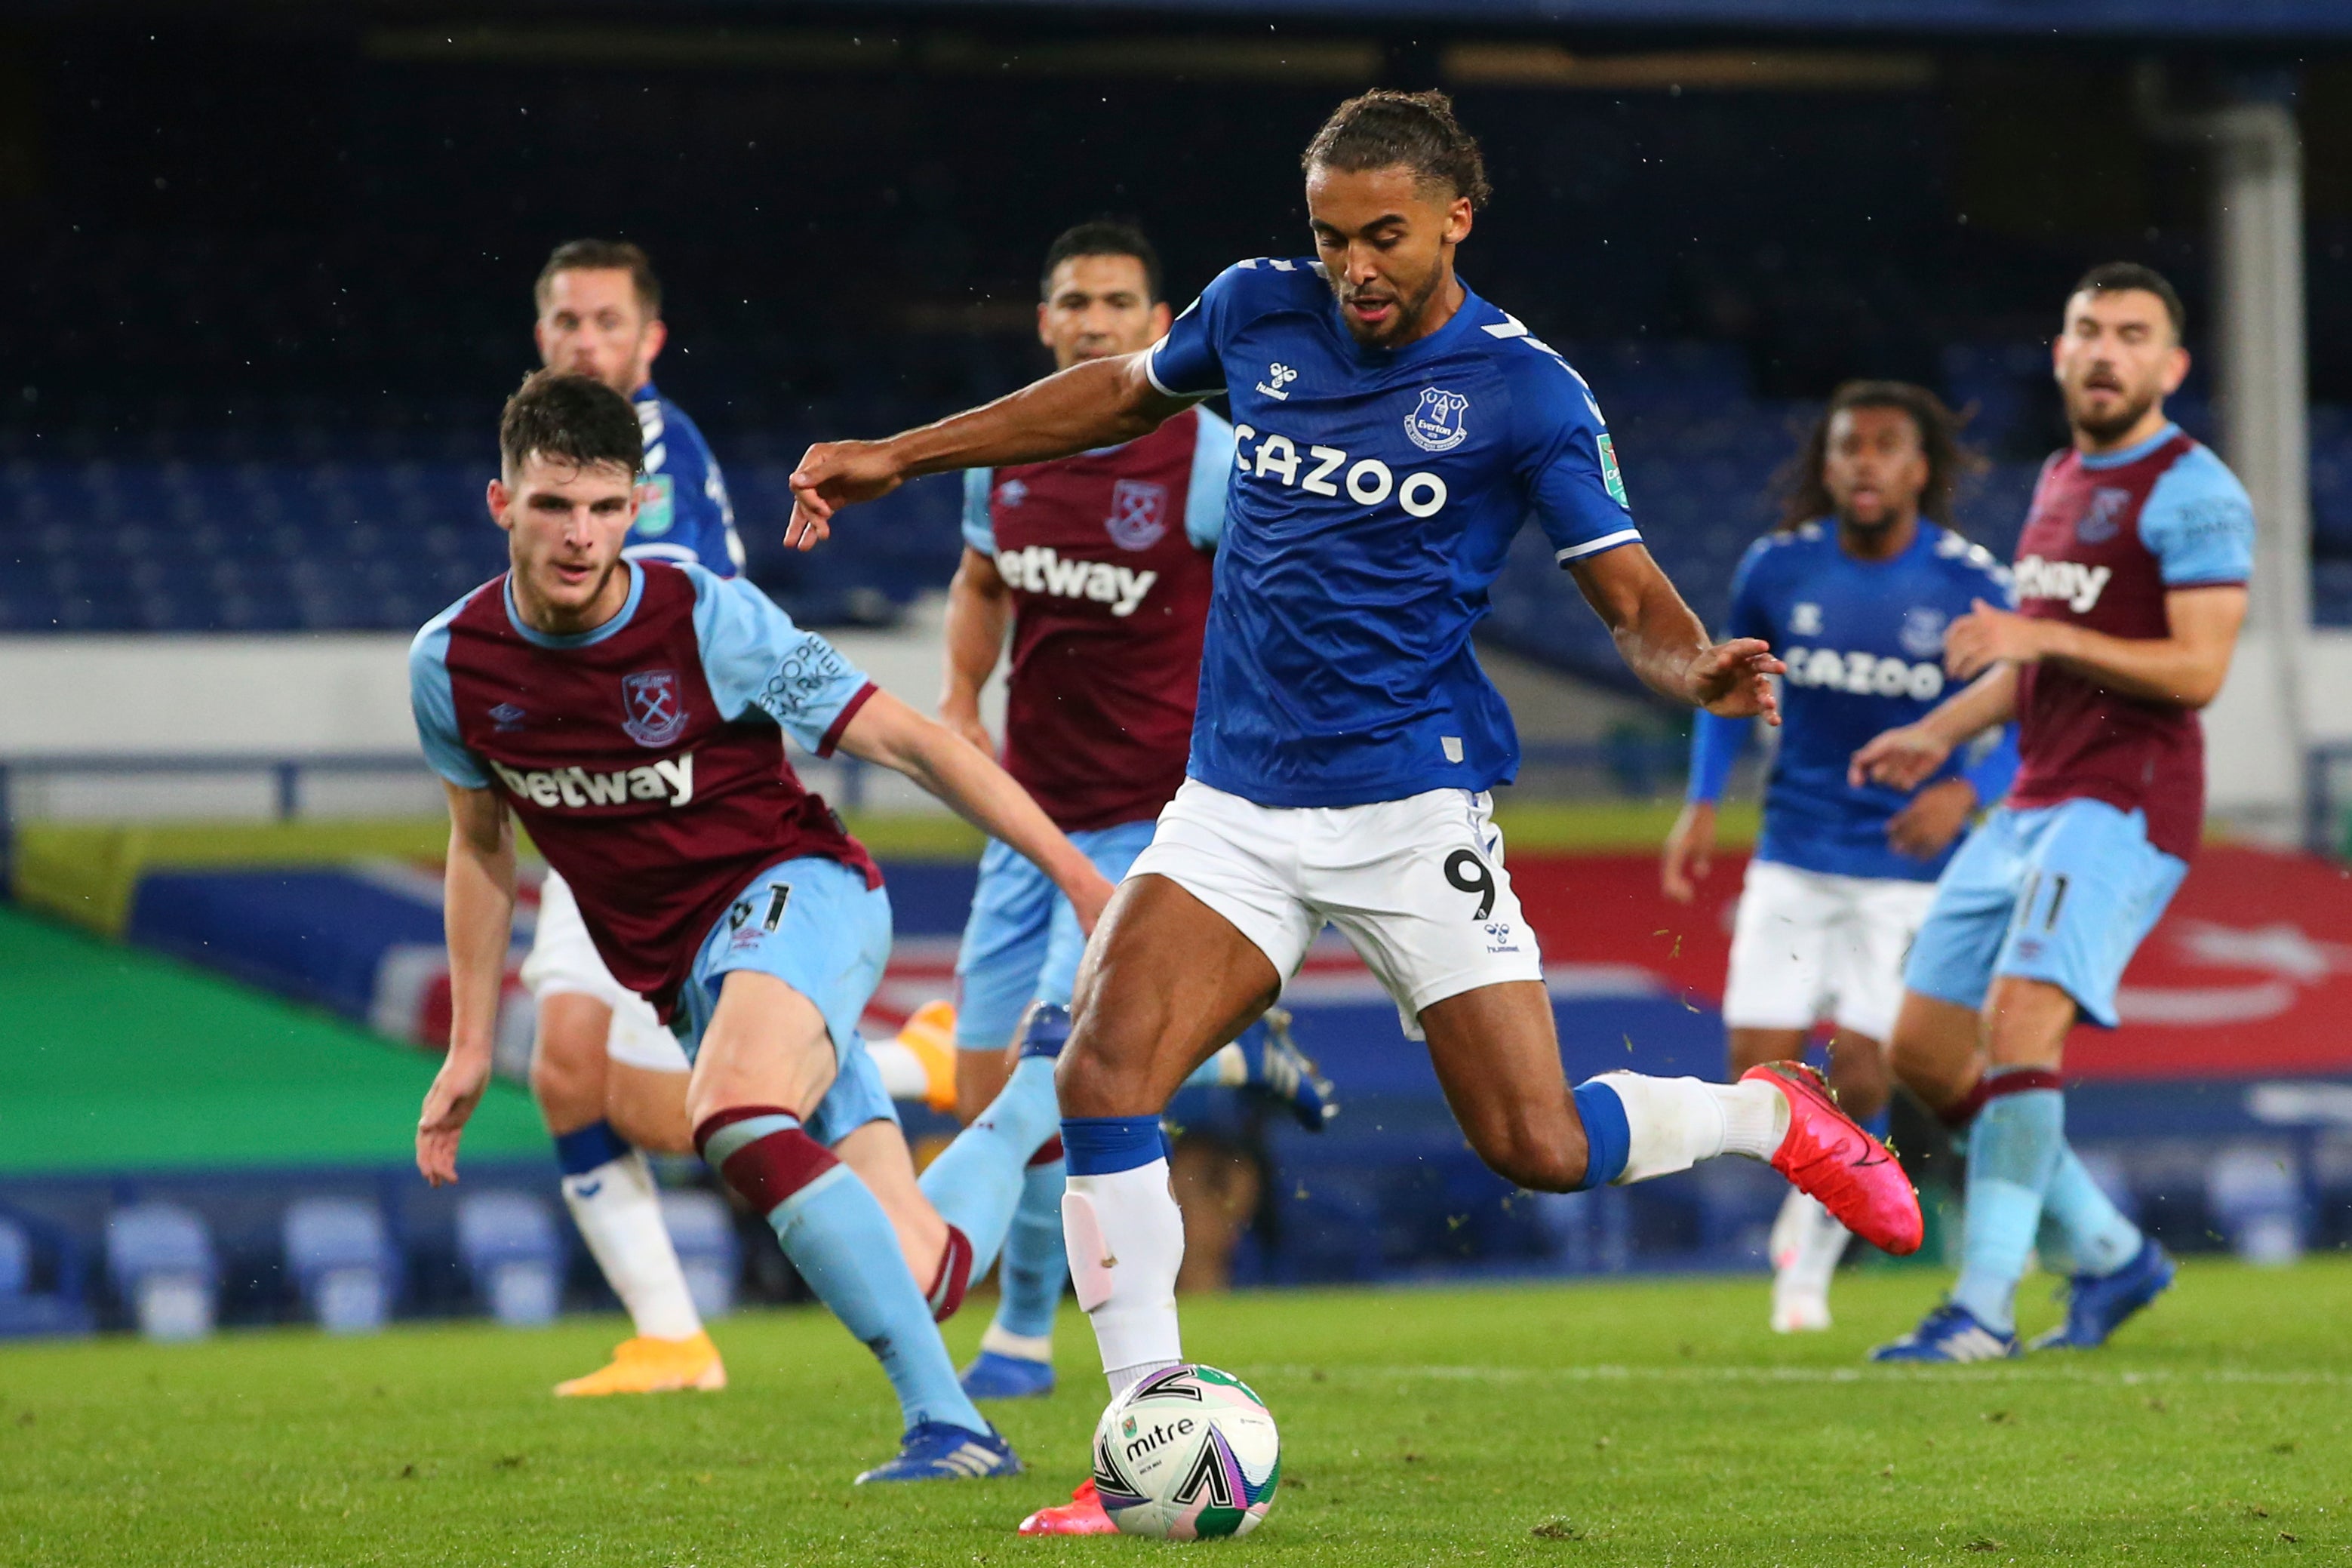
<point>646,1365</point>
<point>1826,1154</point>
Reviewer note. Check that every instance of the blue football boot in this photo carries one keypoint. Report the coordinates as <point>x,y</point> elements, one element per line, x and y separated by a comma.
<point>2097,1304</point>
<point>992,1375</point>
<point>1281,1072</point>
<point>934,1451</point>
<point>1949,1335</point>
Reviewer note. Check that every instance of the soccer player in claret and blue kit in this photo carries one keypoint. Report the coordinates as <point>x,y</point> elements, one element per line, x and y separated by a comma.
<point>1098,567</point>
<point>2131,588</point>
<point>631,715</point>
<point>1855,588</point>
<point>607,1077</point>
<point>1395,430</point>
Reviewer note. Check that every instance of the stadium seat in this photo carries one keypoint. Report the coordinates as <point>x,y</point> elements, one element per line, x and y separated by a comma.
<point>703,1231</point>
<point>343,1264</point>
<point>160,1259</point>
<point>2255,1193</point>
<point>510,1247</point>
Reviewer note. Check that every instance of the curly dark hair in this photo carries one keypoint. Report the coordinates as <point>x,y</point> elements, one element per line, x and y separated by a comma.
<point>1385,128</point>
<point>1803,496</point>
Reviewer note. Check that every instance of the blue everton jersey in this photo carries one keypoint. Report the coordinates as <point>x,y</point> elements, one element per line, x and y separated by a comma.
<point>687,519</point>
<point>1864,641</point>
<point>1374,495</point>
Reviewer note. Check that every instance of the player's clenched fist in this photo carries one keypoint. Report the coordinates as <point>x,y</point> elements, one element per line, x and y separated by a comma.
<point>1731,680</point>
<point>831,475</point>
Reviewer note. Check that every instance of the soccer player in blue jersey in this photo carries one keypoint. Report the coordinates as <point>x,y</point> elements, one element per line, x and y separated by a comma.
<point>1098,715</point>
<point>1855,587</point>
<point>2131,579</point>
<point>608,1078</point>
<point>1395,430</point>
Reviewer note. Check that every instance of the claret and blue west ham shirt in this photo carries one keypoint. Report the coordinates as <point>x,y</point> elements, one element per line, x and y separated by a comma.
<point>2108,537</point>
<point>1864,641</point>
<point>686,517</point>
<point>644,756</point>
<point>1374,499</point>
<point>1106,557</point>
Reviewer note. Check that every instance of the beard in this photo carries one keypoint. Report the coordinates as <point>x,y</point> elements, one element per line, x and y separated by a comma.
<point>1407,319</point>
<point>2108,427</point>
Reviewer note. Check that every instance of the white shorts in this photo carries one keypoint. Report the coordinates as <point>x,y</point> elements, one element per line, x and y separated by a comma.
<point>1416,885</point>
<point>563,960</point>
<point>1811,946</point>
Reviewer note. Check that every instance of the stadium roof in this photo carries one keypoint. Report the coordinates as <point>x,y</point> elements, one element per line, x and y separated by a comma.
<point>2124,19</point>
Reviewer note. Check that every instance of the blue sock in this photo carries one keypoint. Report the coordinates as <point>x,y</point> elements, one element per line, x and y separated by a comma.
<point>581,1151</point>
<point>2013,1151</point>
<point>1880,1125</point>
<point>2098,1236</point>
<point>1608,1136</point>
<point>976,1182</point>
<point>1106,1145</point>
<point>1036,1265</point>
<point>834,1230</point>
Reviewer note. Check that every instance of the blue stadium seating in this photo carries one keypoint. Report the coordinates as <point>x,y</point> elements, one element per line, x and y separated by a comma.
<point>378,531</point>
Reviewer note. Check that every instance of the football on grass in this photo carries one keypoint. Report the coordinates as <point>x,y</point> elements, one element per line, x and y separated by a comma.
<point>1188,1453</point>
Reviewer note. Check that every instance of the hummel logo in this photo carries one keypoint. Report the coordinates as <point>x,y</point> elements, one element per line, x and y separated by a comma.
<point>1282,376</point>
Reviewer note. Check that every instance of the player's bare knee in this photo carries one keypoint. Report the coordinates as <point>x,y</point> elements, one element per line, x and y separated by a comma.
<point>1542,1158</point>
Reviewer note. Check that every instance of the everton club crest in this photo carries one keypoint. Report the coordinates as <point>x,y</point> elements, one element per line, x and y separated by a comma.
<point>1139,514</point>
<point>654,709</point>
<point>1435,422</point>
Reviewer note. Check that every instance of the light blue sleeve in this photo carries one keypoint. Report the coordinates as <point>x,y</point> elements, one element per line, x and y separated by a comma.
<point>1212,475</point>
<point>435,707</point>
<point>2200,523</point>
<point>755,657</point>
<point>1188,362</point>
<point>979,528</point>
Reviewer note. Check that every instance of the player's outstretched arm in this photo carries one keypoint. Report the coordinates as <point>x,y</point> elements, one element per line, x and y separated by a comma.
<point>1905,757</point>
<point>2186,667</point>
<point>1667,647</point>
<point>889,732</point>
<point>1098,404</point>
<point>478,893</point>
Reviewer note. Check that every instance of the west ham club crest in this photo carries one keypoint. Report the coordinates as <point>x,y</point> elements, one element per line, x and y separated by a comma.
<point>655,708</point>
<point>1139,514</point>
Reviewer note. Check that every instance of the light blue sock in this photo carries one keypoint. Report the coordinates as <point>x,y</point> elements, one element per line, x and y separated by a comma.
<point>837,1235</point>
<point>976,1182</point>
<point>2013,1151</point>
<point>1036,1265</point>
<point>2099,1237</point>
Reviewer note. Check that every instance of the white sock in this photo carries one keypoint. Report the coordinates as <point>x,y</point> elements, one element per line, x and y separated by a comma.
<point>903,1077</point>
<point>1673,1123</point>
<point>1126,1240</point>
<point>1806,1244</point>
<point>1001,1340</point>
<point>619,1216</point>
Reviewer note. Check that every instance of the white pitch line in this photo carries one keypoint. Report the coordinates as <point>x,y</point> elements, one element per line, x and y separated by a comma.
<point>1945,1376</point>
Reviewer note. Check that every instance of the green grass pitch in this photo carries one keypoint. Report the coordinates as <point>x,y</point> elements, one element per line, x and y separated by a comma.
<point>1643,1422</point>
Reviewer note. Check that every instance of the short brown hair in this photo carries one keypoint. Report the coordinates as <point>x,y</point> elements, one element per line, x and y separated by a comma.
<point>1805,497</point>
<point>1385,128</point>
<point>603,256</point>
<point>572,418</point>
<point>2119,277</point>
